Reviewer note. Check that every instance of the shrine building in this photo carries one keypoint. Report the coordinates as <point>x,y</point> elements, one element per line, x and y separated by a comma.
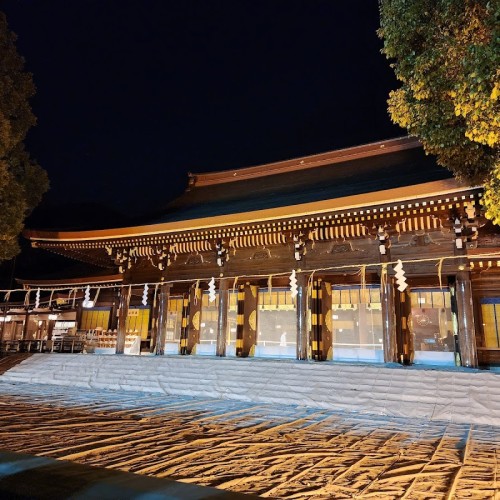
<point>370,254</point>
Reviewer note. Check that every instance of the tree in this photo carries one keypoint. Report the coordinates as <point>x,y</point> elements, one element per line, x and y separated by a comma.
<point>446,53</point>
<point>22,180</point>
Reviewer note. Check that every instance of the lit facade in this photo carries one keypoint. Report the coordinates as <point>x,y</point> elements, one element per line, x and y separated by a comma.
<point>213,276</point>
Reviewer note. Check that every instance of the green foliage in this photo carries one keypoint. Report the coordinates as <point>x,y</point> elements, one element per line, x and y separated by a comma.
<point>446,53</point>
<point>22,181</point>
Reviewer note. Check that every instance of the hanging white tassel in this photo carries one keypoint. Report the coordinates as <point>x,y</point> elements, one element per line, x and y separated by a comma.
<point>86,298</point>
<point>400,276</point>
<point>145,295</point>
<point>37,298</point>
<point>211,290</point>
<point>293,284</point>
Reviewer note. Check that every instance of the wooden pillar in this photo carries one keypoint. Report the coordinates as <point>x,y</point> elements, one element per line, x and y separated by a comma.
<point>78,315</point>
<point>222,317</point>
<point>2,330</point>
<point>185,324</point>
<point>365,336</point>
<point>194,319</point>
<point>321,321</point>
<point>161,330</point>
<point>26,324</point>
<point>151,319</point>
<point>42,330</point>
<point>403,334</point>
<point>388,317</point>
<point>465,317</point>
<point>240,321</point>
<point>316,321</point>
<point>113,315</point>
<point>50,328</point>
<point>3,323</point>
<point>327,321</point>
<point>302,327</point>
<point>154,321</point>
<point>125,293</point>
<point>246,329</point>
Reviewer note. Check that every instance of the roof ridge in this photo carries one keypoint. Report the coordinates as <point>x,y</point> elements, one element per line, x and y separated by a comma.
<point>304,162</point>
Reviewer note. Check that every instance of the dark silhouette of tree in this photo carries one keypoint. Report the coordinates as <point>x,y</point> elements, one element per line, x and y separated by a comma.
<point>22,180</point>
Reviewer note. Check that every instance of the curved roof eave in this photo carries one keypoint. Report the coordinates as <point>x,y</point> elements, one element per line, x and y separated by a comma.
<point>395,195</point>
<point>86,280</point>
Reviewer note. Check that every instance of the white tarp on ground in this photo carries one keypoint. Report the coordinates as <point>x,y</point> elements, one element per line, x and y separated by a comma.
<point>455,395</point>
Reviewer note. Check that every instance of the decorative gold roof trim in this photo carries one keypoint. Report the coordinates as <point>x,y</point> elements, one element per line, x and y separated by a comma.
<point>389,196</point>
<point>305,162</point>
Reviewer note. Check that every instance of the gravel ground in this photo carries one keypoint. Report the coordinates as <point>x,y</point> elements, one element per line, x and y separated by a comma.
<point>269,450</point>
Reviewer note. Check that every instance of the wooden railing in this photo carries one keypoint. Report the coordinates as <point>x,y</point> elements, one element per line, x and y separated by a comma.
<point>64,345</point>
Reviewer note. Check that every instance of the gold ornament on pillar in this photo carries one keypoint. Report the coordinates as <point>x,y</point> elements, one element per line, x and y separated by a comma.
<point>196,320</point>
<point>252,320</point>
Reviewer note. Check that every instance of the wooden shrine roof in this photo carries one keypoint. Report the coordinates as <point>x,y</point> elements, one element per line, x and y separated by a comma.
<point>307,192</point>
<point>354,171</point>
<point>304,163</point>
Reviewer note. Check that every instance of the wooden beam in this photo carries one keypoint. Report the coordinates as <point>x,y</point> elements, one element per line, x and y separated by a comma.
<point>161,331</point>
<point>222,317</point>
<point>125,293</point>
<point>246,330</point>
<point>302,327</point>
<point>185,324</point>
<point>26,324</point>
<point>316,321</point>
<point>50,328</point>
<point>403,334</point>
<point>113,314</point>
<point>465,317</point>
<point>389,335</point>
<point>326,322</point>
<point>193,333</point>
<point>154,321</point>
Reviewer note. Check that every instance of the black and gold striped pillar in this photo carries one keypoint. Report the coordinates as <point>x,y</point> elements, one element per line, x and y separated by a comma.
<point>153,319</point>
<point>240,321</point>
<point>246,327</point>
<point>194,322</point>
<point>403,333</point>
<point>185,323</point>
<point>327,320</point>
<point>316,321</point>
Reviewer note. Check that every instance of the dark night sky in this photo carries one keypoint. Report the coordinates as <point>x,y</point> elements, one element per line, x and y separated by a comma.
<point>133,94</point>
